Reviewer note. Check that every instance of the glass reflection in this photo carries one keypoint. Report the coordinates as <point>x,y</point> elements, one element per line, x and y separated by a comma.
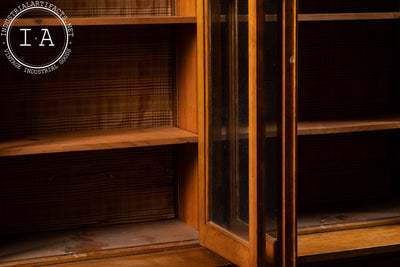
<point>229,186</point>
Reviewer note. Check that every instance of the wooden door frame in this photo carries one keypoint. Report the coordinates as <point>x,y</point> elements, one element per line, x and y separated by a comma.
<point>288,221</point>
<point>257,222</point>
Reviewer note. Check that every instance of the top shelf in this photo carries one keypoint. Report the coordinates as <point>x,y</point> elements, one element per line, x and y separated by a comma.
<point>101,21</point>
<point>327,17</point>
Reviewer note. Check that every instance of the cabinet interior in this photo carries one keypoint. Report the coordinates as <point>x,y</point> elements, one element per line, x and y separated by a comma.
<point>106,147</point>
<point>348,117</point>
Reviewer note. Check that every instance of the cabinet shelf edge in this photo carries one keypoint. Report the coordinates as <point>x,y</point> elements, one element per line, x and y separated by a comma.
<point>102,21</point>
<point>96,140</point>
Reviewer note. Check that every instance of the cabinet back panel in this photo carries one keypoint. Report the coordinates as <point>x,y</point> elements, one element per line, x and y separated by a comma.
<point>70,190</point>
<point>88,8</point>
<point>115,77</point>
<point>346,6</point>
<point>345,167</point>
<point>346,69</point>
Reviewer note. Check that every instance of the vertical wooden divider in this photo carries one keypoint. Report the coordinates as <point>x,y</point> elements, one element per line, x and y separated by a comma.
<point>186,51</point>
<point>186,82</point>
<point>186,7</point>
<point>256,134</point>
<point>289,132</point>
<point>188,195</point>
<point>202,58</point>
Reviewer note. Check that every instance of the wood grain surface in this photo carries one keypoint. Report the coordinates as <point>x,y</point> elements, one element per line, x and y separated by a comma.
<point>38,249</point>
<point>96,140</point>
<point>98,21</point>
<point>348,243</point>
<point>193,257</point>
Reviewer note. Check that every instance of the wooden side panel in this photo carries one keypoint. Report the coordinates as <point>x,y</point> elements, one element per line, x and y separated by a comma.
<point>186,7</point>
<point>186,49</point>
<point>202,72</point>
<point>187,77</point>
<point>188,185</point>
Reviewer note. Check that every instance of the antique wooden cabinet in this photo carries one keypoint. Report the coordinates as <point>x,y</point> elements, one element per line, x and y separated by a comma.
<point>265,131</point>
<point>99,158</point>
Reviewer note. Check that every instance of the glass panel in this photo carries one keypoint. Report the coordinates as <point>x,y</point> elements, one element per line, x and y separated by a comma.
<point>228,146</point>
<point>271,86</point>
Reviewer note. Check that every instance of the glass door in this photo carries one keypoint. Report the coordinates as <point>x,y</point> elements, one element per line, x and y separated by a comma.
<point>243,154</point>
<point>229,118</point>
<point>224,226</point>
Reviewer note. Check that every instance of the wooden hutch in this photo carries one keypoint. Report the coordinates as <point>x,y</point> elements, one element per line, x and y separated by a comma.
<point>184,132</point>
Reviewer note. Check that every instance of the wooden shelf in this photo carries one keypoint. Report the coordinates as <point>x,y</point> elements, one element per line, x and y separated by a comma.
<point>243,132</point>
<point>326,16</point>
<point>348,16</point>
<point>94,21</point>
<point>389,122</point>
<point>348,243</point>
<point>93,243</point>
<point>347,126</point>
<point>329,218</point>
<point>193,257</point>
<point>96,140</point>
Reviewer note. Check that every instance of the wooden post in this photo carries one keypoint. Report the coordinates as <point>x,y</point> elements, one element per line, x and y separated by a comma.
<point>256,134</point>
<point>289,132</point>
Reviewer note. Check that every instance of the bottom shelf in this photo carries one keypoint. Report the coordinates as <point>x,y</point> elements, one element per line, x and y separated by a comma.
<point>348,243</point>
<point>348,215</point>
<point>193,257</point>
<point>348,230</point>
<point>96,242</point>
